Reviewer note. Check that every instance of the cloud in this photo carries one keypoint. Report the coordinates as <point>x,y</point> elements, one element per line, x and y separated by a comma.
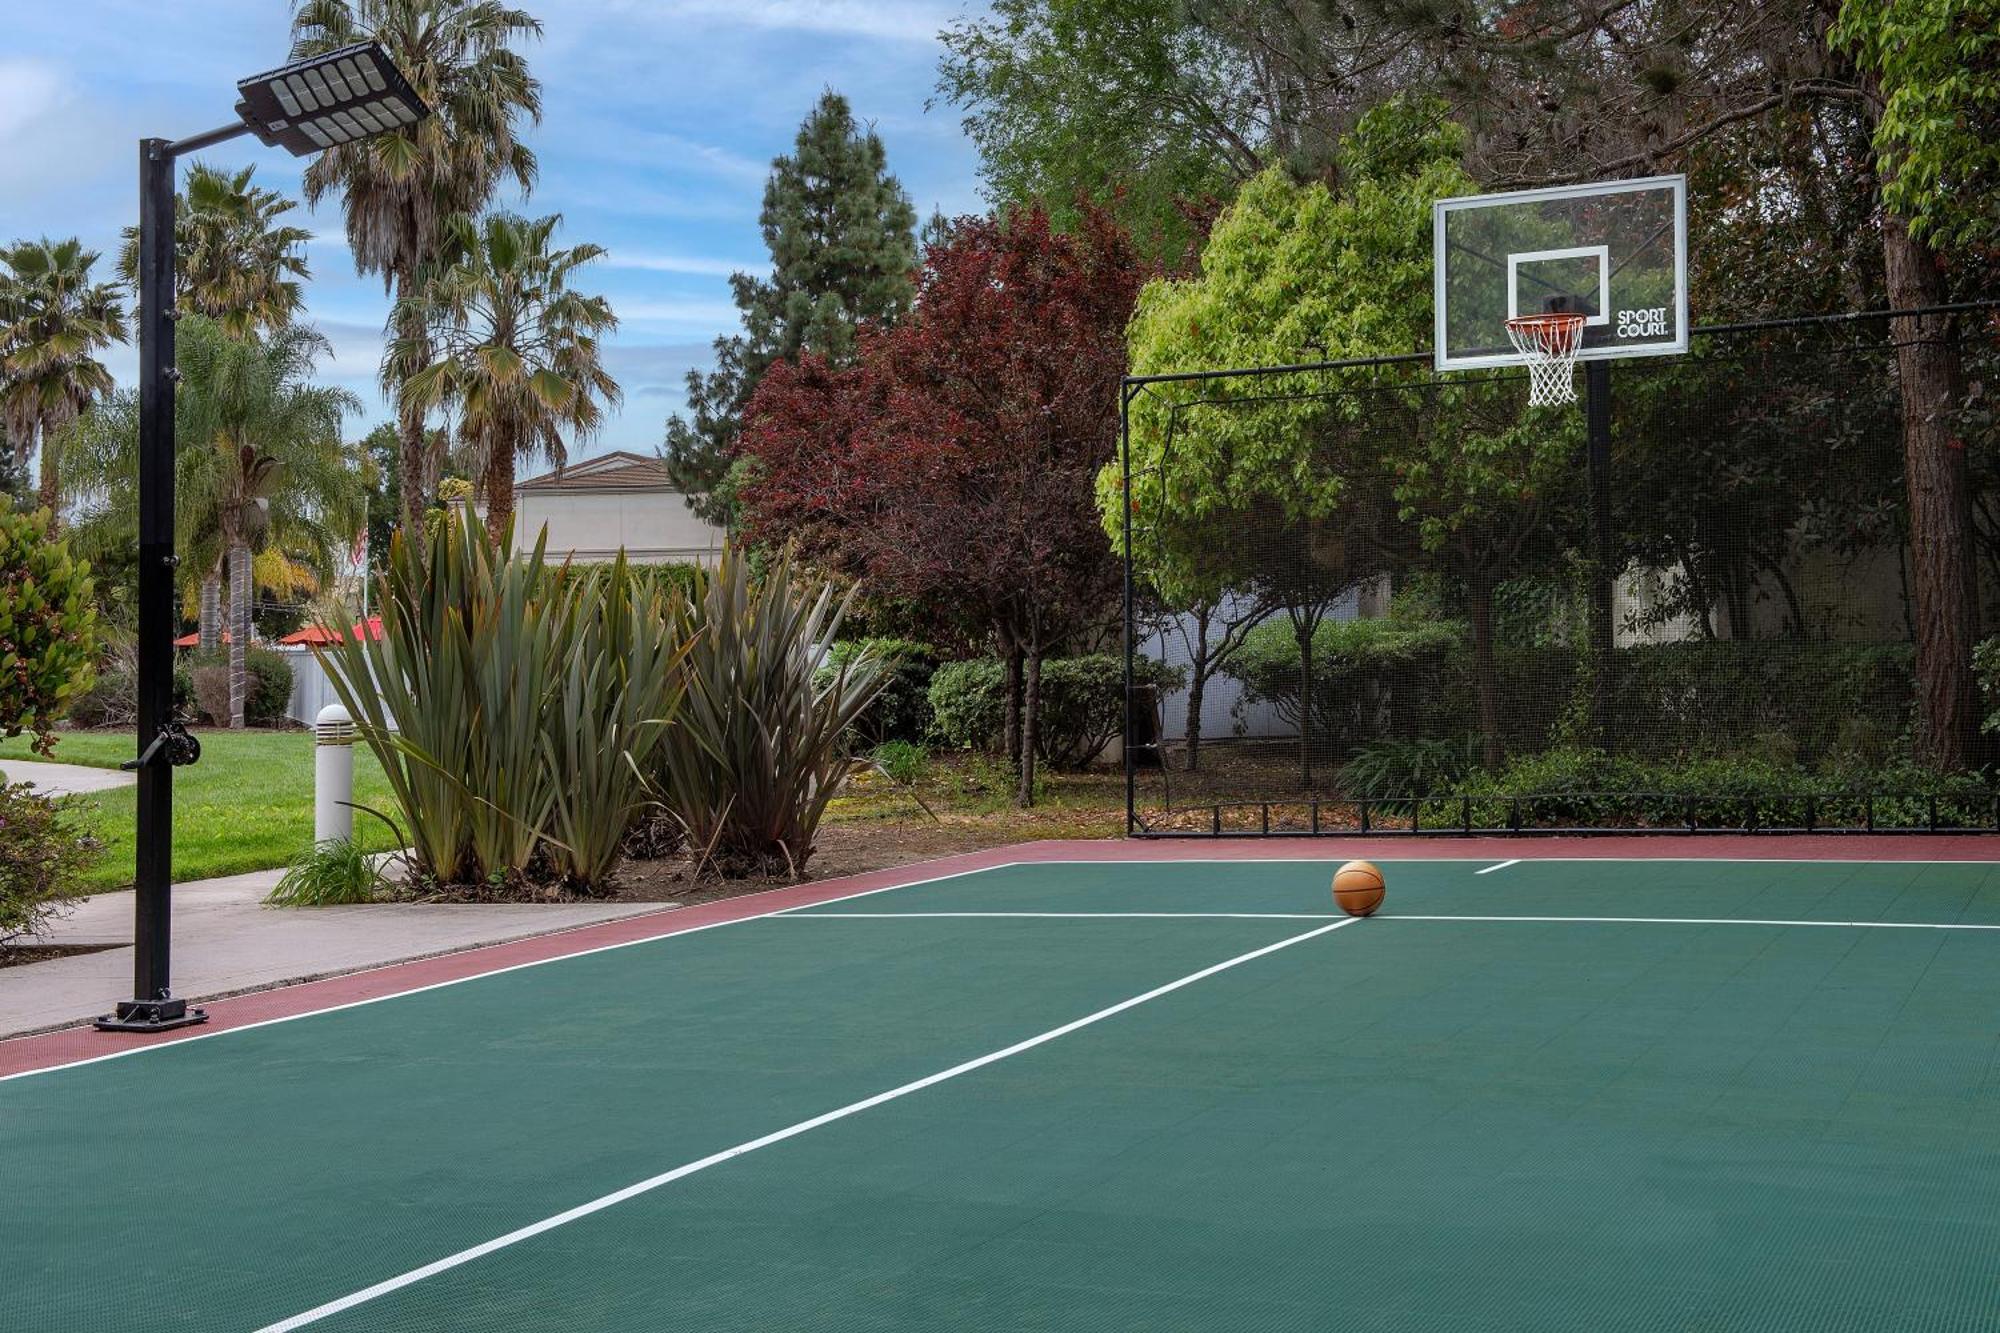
<point>55,144</point>
<point>691,312</point>
<point>652,262</point>
<point>29,90</point>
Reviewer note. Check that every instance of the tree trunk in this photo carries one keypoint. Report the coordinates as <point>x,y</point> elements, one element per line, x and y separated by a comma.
<point>1197,682</point>
<point>49,496</point>
<point>1197,687</point>
<point>239,631</point>
<point>499,487</point>
<point>1485,675</point>
<point>1940,503</point>
<point>1031,724</point>
<point>211,610</point>
<point>413,448</point>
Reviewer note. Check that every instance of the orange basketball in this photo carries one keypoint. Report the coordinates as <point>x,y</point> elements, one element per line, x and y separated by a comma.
<point>1357,887</point>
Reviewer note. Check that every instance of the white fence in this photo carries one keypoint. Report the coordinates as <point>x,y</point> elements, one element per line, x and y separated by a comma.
<point>311,689</point>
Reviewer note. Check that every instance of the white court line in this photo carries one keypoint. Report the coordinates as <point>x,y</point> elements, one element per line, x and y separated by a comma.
<point>179,1042</point>
<point>651,1183</point>
<point>1700,921</point>
<point>798,915</point>
<point>1502,866</point>
<point>1331,856</point>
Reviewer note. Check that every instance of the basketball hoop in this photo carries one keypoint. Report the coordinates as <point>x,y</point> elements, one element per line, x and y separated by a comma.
<point>1549,344</point>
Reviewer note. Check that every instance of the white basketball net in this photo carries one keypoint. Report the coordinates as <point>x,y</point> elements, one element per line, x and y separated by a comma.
<point>1549,344</point>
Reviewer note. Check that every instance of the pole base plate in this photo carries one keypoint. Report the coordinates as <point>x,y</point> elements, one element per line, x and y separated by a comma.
<point>151,1016</point>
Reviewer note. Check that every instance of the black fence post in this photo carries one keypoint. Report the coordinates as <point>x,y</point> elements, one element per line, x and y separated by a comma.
<point>1125,392</point>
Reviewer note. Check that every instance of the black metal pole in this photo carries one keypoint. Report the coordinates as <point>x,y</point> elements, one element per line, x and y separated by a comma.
<point>1125,392</point>
<point>152,1006</point>
<point>1597,427</point>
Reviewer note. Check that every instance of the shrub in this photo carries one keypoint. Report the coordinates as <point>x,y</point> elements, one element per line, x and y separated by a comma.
<point>1370,678</point>
<point>332,872</point>
<point>682,577</point>
<point>1407,768</point>
<point>968,704</point>
<point>113,697</point>
<point>902,762</point>
<point>1587,787</point>
<point>49,632</point>
<point>209,681</point>
<point>268,691</point>
<point>503,700</point>
<point>759,747</point>
<point>43,854</point>
<point>902,711</point>
<point>1082,704</point>
<point>619,688</point>
<point>267,688</point>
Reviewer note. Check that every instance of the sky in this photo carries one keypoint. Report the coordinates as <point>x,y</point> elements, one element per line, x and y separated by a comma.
<point>660,120</point>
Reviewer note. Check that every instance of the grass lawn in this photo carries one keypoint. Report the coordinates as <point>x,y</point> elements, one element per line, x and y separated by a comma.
<point>248,805</point>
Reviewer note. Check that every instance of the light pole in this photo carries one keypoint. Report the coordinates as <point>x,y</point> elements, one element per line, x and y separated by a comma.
<point>341,97</point>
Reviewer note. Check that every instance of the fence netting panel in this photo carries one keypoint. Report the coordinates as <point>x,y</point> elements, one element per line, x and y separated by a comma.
<point>1374,595</point>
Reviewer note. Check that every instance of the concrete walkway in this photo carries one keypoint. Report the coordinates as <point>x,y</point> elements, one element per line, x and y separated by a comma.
<point>65,779</point>
<point>226,941</point>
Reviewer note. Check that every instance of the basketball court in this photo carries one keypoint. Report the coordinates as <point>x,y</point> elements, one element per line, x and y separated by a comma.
<point>1117,1093</point>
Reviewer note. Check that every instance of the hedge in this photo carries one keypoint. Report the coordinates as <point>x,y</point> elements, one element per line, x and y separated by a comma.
<point>1588,787</point>
<point>1813,702</point>
<point>1082,704</point>
<point>902,711</point>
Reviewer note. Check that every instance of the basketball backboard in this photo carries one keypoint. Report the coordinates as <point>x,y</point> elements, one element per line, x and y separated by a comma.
<point>1615,251</point>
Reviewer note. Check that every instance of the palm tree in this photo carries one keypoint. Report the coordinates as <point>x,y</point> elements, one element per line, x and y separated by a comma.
<point>399,189</point>
<point>236,263</point>
<point>233,260</point>
<point>258,461</point>
<point>53,322</point>
<point>499,339</point>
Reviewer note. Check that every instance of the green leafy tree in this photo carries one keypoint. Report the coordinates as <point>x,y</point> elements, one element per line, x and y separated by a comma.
<point>54,323</point>
<point>49,636</point>
<point>501,340</point>
<point>385,494</point>
<point>259,464</point>
<point>1288,491</point>
<point>399,190</point>
<point>1927,73</point>
<point>841,233</point>
<point>234,260</point>
<point>1137,104</point>
<point>1935,65</point>
<point>236,263</point>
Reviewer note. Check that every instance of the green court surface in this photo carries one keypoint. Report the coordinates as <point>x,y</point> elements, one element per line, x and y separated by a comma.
<point>1745,1111</point>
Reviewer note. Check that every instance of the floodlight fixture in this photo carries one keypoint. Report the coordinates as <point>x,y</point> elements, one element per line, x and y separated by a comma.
<point>341,97</point>
<point>344,96</point>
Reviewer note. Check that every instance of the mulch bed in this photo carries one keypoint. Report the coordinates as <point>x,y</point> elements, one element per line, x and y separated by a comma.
<point>844,849</point>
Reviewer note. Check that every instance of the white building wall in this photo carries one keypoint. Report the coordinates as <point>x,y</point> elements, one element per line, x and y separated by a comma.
<point>653,527</point>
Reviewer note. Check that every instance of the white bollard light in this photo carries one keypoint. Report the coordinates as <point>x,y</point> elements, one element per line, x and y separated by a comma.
<point>333,774</point>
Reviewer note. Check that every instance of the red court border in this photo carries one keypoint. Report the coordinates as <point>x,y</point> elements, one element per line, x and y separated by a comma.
<point>70,1045</point>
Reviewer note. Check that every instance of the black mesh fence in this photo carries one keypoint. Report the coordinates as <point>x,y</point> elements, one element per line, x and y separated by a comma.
<point>1369,598</point>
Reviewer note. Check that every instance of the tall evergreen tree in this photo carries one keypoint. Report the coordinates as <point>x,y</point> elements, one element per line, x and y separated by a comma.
<point>842,236</point>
